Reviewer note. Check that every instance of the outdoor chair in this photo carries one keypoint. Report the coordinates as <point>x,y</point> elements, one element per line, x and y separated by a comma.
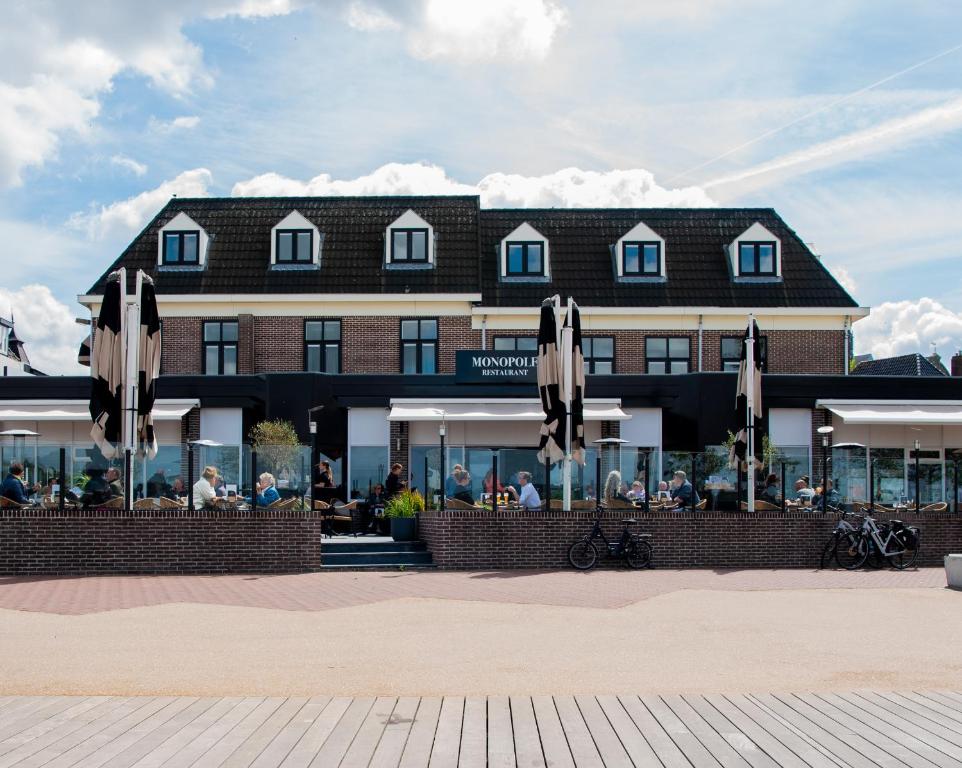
<point>344,513</point>
<point>10,503</point>
<point>164,503</point>
<point>583,504</point>
<point>117,502</point>
<point>703,504</point>
<point>145,504</point>
<point>617,504</point>
<point>452,503</point>
<point>761,506</point>
<point>288,503</point>
<point>321,505</point>
<point>938,506</point>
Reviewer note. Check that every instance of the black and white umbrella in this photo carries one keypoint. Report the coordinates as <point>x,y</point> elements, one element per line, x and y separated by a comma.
<point>577,385</point>
<point>551,446</point>
<point>148,368</point>
<point>748,402</point>
<point>107,371</point>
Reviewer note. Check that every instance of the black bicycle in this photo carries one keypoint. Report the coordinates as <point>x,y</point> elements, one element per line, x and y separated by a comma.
<point>633,548</point>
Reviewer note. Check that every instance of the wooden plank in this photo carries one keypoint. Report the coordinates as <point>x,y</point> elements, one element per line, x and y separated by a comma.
<point>582,746</point>
<point>247,752</point>
<point>662,744</point>
<point>527,741</point>
<point>307,747</point>
<point>932,704</point>
<point>336,745</point>
<point>781,754</point>
<point>217,729</point>
<point>747,749</point>
<point>447,737</point>
<point>609,746</point>
<point>952,721</point>
<point>474,747</point>
<point>919,748</point>
<point>391,746</point>
<point>638,749</point>
<point>365,743</point>
<point>34,710</point>
<point>21,704</point>
<point>686,741</point>
<point>942,698</point>
<point>277,750</point>
<point>950,696</point>
<point>500,733</point>
<point>171,746</point>
<point>36,723</point>
<point>239,734</point>
<point>899,717</point>
<point>855,734</point>
<point>710,739</point>
<point>80,735</point>
<point>554,743</point>
<point>55,728</point>
<point>835,746</point>
<point>420,741</point>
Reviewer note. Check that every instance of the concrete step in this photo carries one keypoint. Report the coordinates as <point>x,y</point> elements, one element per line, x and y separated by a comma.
<point>360,545</point>
<point>380,559</point>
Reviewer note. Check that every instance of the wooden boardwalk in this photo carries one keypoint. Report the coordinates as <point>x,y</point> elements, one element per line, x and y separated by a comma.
<point>861,730</point>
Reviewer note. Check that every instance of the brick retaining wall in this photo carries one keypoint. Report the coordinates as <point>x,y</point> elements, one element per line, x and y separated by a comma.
<point>45,542</point>
<point>468,539</point>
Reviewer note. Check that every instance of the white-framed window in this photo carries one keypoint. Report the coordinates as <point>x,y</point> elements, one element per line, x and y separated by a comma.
<point>182,244</point>
<point>409,243</point>
<point>639,254</point>
<point>295,243</point>
<point>525,255</point>
<point>756,253</point>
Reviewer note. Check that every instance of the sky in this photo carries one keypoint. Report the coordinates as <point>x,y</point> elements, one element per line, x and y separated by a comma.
<point>844,116</point>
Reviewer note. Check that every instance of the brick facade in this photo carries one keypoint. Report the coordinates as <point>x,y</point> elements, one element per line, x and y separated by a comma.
<point>466,539</point>
<point>372,345</point>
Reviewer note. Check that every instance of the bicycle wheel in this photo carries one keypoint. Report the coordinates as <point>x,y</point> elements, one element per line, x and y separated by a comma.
<point>906,559</point>
<point>851,551</point>
<point>638,553</point>
<point>875,559</point>
<point>583,555</point>
<point>828,553</point>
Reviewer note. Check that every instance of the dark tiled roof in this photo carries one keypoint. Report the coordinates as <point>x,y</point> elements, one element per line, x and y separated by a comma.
<point>467,239</point>
<point>903,365</point>
<point>695,259</point>
<point>238,257</point>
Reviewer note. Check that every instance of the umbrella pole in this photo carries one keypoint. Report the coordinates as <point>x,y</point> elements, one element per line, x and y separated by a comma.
<point>750,374</point>
<point>566,336</point>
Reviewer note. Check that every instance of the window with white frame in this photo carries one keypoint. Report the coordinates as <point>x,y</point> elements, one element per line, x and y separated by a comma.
<point>757,258</point>
<point>181,247</point>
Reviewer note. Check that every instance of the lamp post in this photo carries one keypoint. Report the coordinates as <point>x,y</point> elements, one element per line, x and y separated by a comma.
<point>918,501</point>
<point>826,433</point>
<point>442,431</point>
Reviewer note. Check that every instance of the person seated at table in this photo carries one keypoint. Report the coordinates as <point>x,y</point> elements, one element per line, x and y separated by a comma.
<point>772,493</point>
<point>613,492</point>
<point>589,492</point>
<point>663,493</point>
<point>266,492</point>
<point>97,489</point>
<point>488,483</point>
<point>451,481</point>
<point>637,491</point>
<point>462,487</point>
<point>204,493</point>
<point>803,493</point>
<point>220,487</point>
<point>325,475</point>
<point>528,497</point>
<point>157,485</point>
<point>376,497</point>
<point>113,479</point>
<point>682,492</point>
<point>176,490</point>
<point>13,487</point>
<point>832,494</point>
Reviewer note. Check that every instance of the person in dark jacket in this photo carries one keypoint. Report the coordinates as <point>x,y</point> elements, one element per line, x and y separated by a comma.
<point>324,475</point>
<point>682,491</point>
<point>113,478</point>
<point>394,484</point>
<point>97,490</point>
<point>12,487</point>
<point>157,485</point>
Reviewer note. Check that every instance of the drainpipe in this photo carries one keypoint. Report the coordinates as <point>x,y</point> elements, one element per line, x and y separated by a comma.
<point>484,331</point>
<point>700,324</point>
<point>848,331</point>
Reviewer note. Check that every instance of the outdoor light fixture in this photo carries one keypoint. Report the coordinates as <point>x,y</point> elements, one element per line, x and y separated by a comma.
<point>312,427</point>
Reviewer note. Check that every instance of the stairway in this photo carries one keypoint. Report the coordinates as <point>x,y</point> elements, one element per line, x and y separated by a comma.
<point>358,554</point>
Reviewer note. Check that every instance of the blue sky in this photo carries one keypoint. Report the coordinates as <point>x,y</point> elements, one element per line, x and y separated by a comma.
<point>843,116</point>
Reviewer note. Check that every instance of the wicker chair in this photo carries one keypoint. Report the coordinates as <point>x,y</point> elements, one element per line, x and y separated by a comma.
<point>10,503</point>
<point>343,513</point>
<point>761,506</point>
<point>321,505</point>
<point>145,504</point>
<point>451,503</point>
<point>117,502</point>
<point>617,504</point>
<point>703,504</point>
<point>288,503</point>
<point>938,506</point>
<point>164,503</point>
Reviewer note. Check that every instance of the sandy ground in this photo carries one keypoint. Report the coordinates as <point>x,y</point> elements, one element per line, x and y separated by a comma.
<point>694,641</point>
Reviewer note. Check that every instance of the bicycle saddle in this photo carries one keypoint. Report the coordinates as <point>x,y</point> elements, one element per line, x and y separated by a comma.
<point>896,523</point>
<point>629,520</point>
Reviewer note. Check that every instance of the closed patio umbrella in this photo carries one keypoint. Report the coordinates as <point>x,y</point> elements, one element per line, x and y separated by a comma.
<point>551,446</point>
<point>107,370</point>
<point>748,406</point>
<point>577,388</point>
<point>148,367</point>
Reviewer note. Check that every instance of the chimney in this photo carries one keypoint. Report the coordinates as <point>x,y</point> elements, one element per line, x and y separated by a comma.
<point>957,363</point>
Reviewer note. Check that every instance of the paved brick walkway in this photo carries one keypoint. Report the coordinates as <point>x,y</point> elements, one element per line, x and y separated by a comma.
<point>323,591</point>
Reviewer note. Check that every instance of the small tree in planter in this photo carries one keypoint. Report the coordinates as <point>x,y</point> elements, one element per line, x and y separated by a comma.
<point>276,443</point>
<point>400,510</point>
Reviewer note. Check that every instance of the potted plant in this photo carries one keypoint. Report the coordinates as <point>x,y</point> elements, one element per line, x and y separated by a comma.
<point>400,510</point>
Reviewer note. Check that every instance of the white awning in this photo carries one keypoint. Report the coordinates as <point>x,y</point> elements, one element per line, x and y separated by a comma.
<point>494,410</point>
<point>78,410</point>
<point>933,412</point>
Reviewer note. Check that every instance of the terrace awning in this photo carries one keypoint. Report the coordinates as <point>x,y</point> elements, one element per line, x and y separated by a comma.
<point>494,410</point>
<point>79,410</point>
<point>932,412</point>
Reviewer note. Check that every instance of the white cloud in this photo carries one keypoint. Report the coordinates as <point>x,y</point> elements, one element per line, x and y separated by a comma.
<point>903,327</point>
<point>567,188</point>
<point>138,169</point>
<point>368,18</point>
<point>181,123</point>
<point>47,328</point>
<point>126,217</point>
<point>931,121</point>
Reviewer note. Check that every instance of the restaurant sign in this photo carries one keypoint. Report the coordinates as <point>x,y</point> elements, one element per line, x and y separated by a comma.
<point>484,367</point>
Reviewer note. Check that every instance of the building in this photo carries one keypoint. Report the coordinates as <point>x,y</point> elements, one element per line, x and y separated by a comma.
<point>902,365</point>
<point>13,353</point>
<point>386,317</point>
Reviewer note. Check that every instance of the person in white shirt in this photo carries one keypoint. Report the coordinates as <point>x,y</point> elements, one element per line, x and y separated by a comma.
<point>204,493</point>
<point>528,498</point>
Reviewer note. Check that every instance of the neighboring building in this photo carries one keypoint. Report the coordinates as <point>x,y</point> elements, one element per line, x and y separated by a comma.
<point>13,354</point>
<point>902,365</point>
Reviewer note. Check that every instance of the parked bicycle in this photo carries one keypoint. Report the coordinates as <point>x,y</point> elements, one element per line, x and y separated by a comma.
<point>633,548</point>
<point>843,540</point>
<point>893,541</point>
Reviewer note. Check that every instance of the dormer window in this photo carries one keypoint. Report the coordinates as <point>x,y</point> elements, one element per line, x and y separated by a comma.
<point>409,246</point>
<point>525,259</point>
<point>640,259</point>
<point>295,243</point>
<point>757,259</point>
<point>182,244</point>
<point>294,246</point>
<point>181,248</point>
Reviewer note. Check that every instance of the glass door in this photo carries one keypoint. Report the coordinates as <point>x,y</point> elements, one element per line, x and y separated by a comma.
<point>930,476</point>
